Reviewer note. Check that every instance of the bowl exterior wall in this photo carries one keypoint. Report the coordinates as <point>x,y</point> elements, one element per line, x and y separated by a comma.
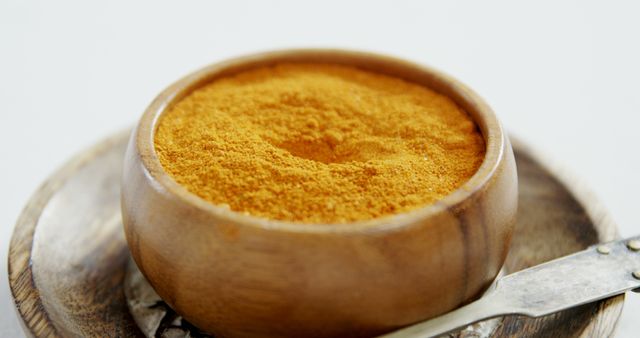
<point>237,280</point>
<point>241,277</point>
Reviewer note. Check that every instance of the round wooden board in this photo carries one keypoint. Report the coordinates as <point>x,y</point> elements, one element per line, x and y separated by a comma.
<point>68,256</point>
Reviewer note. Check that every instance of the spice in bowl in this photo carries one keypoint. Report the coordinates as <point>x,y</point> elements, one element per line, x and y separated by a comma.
<point>318,143</point>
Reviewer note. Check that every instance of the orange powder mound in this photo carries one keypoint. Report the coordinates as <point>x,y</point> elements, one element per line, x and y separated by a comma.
<point>318,143</point>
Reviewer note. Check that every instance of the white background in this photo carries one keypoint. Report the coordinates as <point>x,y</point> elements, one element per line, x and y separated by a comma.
<point>564,76</point>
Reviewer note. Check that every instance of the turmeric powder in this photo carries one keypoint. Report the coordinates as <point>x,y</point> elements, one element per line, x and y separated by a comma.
<point>318,143</point>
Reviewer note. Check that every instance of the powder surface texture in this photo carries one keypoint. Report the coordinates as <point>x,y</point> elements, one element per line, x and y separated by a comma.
<point>318,143</point>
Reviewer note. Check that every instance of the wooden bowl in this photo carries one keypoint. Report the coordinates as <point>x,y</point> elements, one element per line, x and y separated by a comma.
<point>238,276</point>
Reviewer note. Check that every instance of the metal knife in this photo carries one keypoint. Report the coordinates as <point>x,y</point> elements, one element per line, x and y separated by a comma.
<point>599,272</point>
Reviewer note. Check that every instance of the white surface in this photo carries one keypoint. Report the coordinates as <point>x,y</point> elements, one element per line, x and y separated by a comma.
<point>562,76</point>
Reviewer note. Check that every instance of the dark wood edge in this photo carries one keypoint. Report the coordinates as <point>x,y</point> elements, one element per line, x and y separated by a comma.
<point>609,310</point>
<point>31,311</point>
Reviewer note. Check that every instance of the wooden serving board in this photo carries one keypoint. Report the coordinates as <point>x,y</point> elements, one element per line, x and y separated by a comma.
<point>68,257</point>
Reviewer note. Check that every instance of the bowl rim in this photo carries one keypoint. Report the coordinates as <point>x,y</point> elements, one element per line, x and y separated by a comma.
<point>164,184</point>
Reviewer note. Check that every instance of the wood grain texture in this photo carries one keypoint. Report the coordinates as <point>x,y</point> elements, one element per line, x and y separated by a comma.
<point>554,208</point>
<point>354,279</point>
<point>579,221</point>
<point>67,254</point>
